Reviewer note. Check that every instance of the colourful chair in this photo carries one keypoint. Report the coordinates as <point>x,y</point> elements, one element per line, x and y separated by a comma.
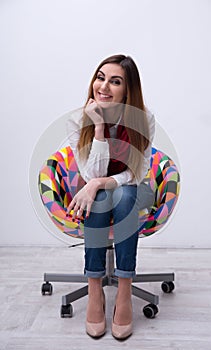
<point>58,180</point>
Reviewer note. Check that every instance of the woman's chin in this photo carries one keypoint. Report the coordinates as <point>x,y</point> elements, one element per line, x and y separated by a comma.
<point>103,103</point>
<point>108,104</point>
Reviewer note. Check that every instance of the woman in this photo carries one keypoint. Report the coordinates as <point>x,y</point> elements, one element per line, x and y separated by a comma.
<point>111,143</point>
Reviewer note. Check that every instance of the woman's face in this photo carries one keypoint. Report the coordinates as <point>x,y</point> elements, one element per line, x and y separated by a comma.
<point>109,85</point>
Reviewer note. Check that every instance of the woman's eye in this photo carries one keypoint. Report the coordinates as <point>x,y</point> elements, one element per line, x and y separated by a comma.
<point>115,82</point>
<point>100,77</point>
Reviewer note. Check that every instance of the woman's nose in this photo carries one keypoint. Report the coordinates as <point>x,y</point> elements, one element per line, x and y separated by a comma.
<point>105,85</point>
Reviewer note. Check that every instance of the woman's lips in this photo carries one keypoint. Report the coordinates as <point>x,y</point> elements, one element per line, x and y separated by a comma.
<point>104,96</point>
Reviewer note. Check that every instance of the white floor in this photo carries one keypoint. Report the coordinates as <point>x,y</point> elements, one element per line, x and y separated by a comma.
<point>30,321</point>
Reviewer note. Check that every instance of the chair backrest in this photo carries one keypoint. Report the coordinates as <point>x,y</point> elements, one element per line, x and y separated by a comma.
<point>58,180</point>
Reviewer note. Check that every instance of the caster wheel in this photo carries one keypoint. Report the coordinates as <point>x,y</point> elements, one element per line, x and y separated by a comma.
<point>47,288</point>
<point>66,311</point>
<point>167,287</point>
<point>150,310</point>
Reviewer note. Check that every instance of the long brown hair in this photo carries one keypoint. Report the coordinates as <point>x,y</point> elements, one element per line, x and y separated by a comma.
<point>134,117</point>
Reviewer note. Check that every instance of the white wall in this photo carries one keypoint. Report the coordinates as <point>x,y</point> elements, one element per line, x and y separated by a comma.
<point>49,49</point>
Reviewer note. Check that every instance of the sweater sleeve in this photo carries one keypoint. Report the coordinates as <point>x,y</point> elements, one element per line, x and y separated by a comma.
<point>96,164</point>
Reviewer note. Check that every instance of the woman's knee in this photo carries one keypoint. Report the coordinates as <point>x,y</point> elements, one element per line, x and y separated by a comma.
<point>125,212</point>
<point>125,195</point>
<point>102,202</point>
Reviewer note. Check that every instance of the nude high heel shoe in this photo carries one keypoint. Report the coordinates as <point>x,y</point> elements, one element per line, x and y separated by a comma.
<point>121,332</point>
<point>97,330</point>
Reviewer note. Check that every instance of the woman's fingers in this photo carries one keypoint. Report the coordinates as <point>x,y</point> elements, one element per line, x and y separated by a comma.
<point>88,209</point>
<point>94,112</point>
<point>77,209</point>
<point>80,212</point>
<point>83,200</point>
<point>70,206</point>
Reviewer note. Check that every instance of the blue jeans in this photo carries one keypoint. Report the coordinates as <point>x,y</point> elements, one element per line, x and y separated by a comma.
<point>122,205</point>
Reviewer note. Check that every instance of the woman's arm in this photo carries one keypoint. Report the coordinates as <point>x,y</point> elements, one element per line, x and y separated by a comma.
<point>97,163</point>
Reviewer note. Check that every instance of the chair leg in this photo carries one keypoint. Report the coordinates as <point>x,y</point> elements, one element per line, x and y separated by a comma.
<point>79,293</point>
<point>167,285</point>
<point>145,295</point>
<point>109,280</point>
<point>66,307</point>
<point>62,277</point>
<point>154,277</point>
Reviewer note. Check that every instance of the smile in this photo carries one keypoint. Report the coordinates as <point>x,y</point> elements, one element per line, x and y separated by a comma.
<point>104,95</point>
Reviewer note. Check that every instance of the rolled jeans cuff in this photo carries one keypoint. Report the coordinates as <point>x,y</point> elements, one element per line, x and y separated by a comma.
<point>124,274</point>
<point>94,274</point>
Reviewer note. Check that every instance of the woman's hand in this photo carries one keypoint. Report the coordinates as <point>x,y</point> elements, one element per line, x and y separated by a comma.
<point>84,198</point>
<point>94,111</point>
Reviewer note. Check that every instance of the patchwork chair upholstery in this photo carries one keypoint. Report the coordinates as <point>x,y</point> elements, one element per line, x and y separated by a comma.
<point>58,180</point>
